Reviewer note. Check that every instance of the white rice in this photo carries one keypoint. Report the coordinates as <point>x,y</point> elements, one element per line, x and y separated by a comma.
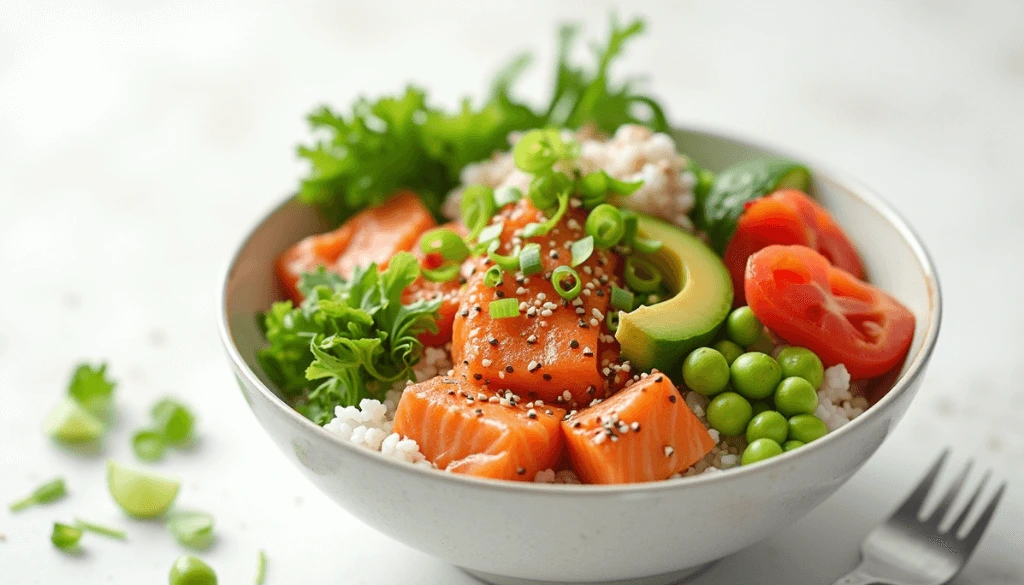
<point>634,153</point>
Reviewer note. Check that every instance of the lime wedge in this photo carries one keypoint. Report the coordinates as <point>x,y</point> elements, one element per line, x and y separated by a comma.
<point>71,422</point>
<point>139,493</point>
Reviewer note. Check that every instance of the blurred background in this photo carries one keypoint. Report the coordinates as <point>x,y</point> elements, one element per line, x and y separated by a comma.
<point>140,141</point>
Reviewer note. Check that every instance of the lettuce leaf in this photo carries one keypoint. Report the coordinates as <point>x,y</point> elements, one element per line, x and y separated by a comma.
<point>350,339</point>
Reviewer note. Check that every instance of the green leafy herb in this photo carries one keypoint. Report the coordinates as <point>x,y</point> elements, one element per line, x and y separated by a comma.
<point>192,529</point>
<point>84,414</point>
<point>402,141</point>
<point>93,390</point>
<point>65,537</point>
<point>261,568</point>
<point>99,529</point>
<point>354,336</point>
<point>50,491</point>
<point>740,184</point>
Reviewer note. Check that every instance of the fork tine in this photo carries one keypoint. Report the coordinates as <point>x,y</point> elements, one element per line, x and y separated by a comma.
<point>942,509</point>
<point>912,505</point>
<point>970,505</point>
<point>974,535</point>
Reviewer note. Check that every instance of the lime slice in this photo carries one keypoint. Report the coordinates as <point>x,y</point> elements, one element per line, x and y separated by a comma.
<point>139,493</point>
<point>71,422</point>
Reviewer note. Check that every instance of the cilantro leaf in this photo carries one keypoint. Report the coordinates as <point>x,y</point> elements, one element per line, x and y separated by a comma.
<point>93,390</point>
<point>349,340</point>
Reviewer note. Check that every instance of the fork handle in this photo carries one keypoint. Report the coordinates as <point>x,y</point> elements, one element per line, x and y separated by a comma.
<point>858,577</point>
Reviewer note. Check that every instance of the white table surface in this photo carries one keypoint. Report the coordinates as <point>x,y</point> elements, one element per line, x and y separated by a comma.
<point>138,144</point>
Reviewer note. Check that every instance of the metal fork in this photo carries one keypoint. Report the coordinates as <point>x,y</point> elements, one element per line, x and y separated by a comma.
<point>906,550</point>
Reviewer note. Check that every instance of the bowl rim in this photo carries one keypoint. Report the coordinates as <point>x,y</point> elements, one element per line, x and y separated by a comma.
<point>851,185</point>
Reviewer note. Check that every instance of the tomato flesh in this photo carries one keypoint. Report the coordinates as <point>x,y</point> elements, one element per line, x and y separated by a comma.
<point>806,301</point>
<point>788,217</point>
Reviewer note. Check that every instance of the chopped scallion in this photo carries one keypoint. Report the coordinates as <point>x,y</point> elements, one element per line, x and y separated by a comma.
<point>504,308</point>
<point>192,529</point>
<point>612,320</point>
<point>623,187</point>
<point>581,250</point>
<point>149,445</point>
<point>477,208</point>
<point>50,491</point>
<point>509,262</point>
<point>493,276</point>
<point>529,259</point>
<point>99,529</point>
<point>447,271</point>
<point>641,275</point>
<point>539,229</point>
<point>566,282</point>
<point>261,568</point>
<point>65,537</point>
<point>445,242</point>
<point>605,223</point>
<point>490,233</point>
<point>505,195</point>
<point>622,299</point>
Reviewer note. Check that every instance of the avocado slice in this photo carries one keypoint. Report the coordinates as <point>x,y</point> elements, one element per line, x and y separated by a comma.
<point>661,335</point>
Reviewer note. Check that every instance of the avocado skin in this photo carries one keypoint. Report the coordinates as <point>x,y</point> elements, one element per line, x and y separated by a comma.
<point>662,335</point>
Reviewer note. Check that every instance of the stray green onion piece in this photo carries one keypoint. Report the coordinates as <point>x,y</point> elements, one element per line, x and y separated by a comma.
<point>188,570</point>
<point>493,276</point>
<point>192,529</point>
<point>567,290</point>
<point>539,229</point>
<point>149,445</point>
<point>509,262</point>
<point>261,567</point>
<point>622,299</point>
<point>139,493</point>
<point>477,208</point>
<point>539,150</point>
<point>505,195</point>
<point>581,250</point>
<point>605,223</point>
<point>504,308</point>
<point>65,537</point>
<point>623,187</point>
<point>546,187</point>
<point>50,491</point>
<point>100,529</point>
<point>529,259</point>
<point>594,188</point>
<point>612,320</point>
<point>491,232</point>
<point>641,275</point>
<point>449,271</point>
<point>445,242</point>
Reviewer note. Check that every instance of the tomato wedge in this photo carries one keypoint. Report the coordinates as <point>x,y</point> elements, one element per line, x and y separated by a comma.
<point>788,216</point>
<point>808,302</point>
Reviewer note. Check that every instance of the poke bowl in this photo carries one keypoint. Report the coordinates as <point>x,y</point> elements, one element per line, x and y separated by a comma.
<point>596,371</point>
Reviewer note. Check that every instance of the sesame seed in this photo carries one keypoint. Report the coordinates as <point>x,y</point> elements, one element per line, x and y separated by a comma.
<point>573,343</point>
<point>548,412</point>
<point>493,399</point>
<point>486,363</point>
<point>520,291</point>
<point>546,313</point>
<point>659,379</point>
<point>591,390</point>
<point>531,413</point>
<point>635,426</point>
<point>566,395</point>
<point>581,311</point>
<point>499,294</point>
<point>501,374</point>
<point>531,339</point>
<point>493,341</point>
<point>547,377</point>
<point>553,254</point>
<point>531,312</point>
<point>672,398</point>
<point>588,270</point>
<point>669,450</point>
<point>533,366</point>
<point>478,376</point>
<point>465,313</point>
<point>509,369</point>
<point>594,322</point>
<point>588,352</point>
<point>577,424</point>
<point>520,471</point>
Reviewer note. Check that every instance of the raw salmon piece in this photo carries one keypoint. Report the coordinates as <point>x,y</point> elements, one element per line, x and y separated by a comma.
<point>372,235</point>
<point>644,433</point>
<point>459,432</point>
<point>552,350</point>
<point>450,293</point>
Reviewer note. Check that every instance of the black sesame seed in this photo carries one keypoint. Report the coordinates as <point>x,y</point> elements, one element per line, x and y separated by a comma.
<point>600,292</point>
<point>547,377</point>
<point>478,376</point>
<point>494,341</point>
<point>465,313</point>
<point>573,343</point>
<point>499,294</point>
<point>672,398</point>
<point>477,308</point>
<point>451,393</point>
<point>577,424</point>
<point>583,324</point>
<point>509,369</point>
<point>659,379</point>
<point>520,471</point>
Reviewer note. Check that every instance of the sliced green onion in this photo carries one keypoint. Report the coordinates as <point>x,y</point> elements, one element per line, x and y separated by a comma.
<point>446,272</point>
<point>612,320</point>
<point>99,529</point>
<point>546,188</point>
<point>50,491</point>
<point>594,185</point>
<point>506,195</point>
<point>492,277</point>
<point>534,152</point>
<point>622,299</point>
<point>477,208</point>
<point>504,308</point>
<point>623,187</point>
<point>261,568</point>
<point>192,529</point>
<point>445,242</point>
<point>540,229</point>
<point>559,276</point>
<point>508,262</point>
<point>529,259</point>
<point>632,238</point>
<point>490,233</point>
<point>606,224</point>
<point>65,537</point>
<point>641,275</point>
<point>149,445</point>
<point>581,250</point>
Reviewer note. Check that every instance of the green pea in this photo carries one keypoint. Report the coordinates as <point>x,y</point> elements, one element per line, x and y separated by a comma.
<point>188,570</point>
<point>729,413</point>
<point>729,349</point>
<point>760,450</point>
<point>790,445</point>
<point>755,375</point>
<point>807,428</point>
<point>743,327</point>
<point>705,371</point>
<point>802,363</point>
<point>760,406</point>
<point>795,396</point>
<point>768,425</point>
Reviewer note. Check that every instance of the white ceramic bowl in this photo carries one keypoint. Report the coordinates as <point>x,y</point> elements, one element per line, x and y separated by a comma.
<point>508,532</point>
